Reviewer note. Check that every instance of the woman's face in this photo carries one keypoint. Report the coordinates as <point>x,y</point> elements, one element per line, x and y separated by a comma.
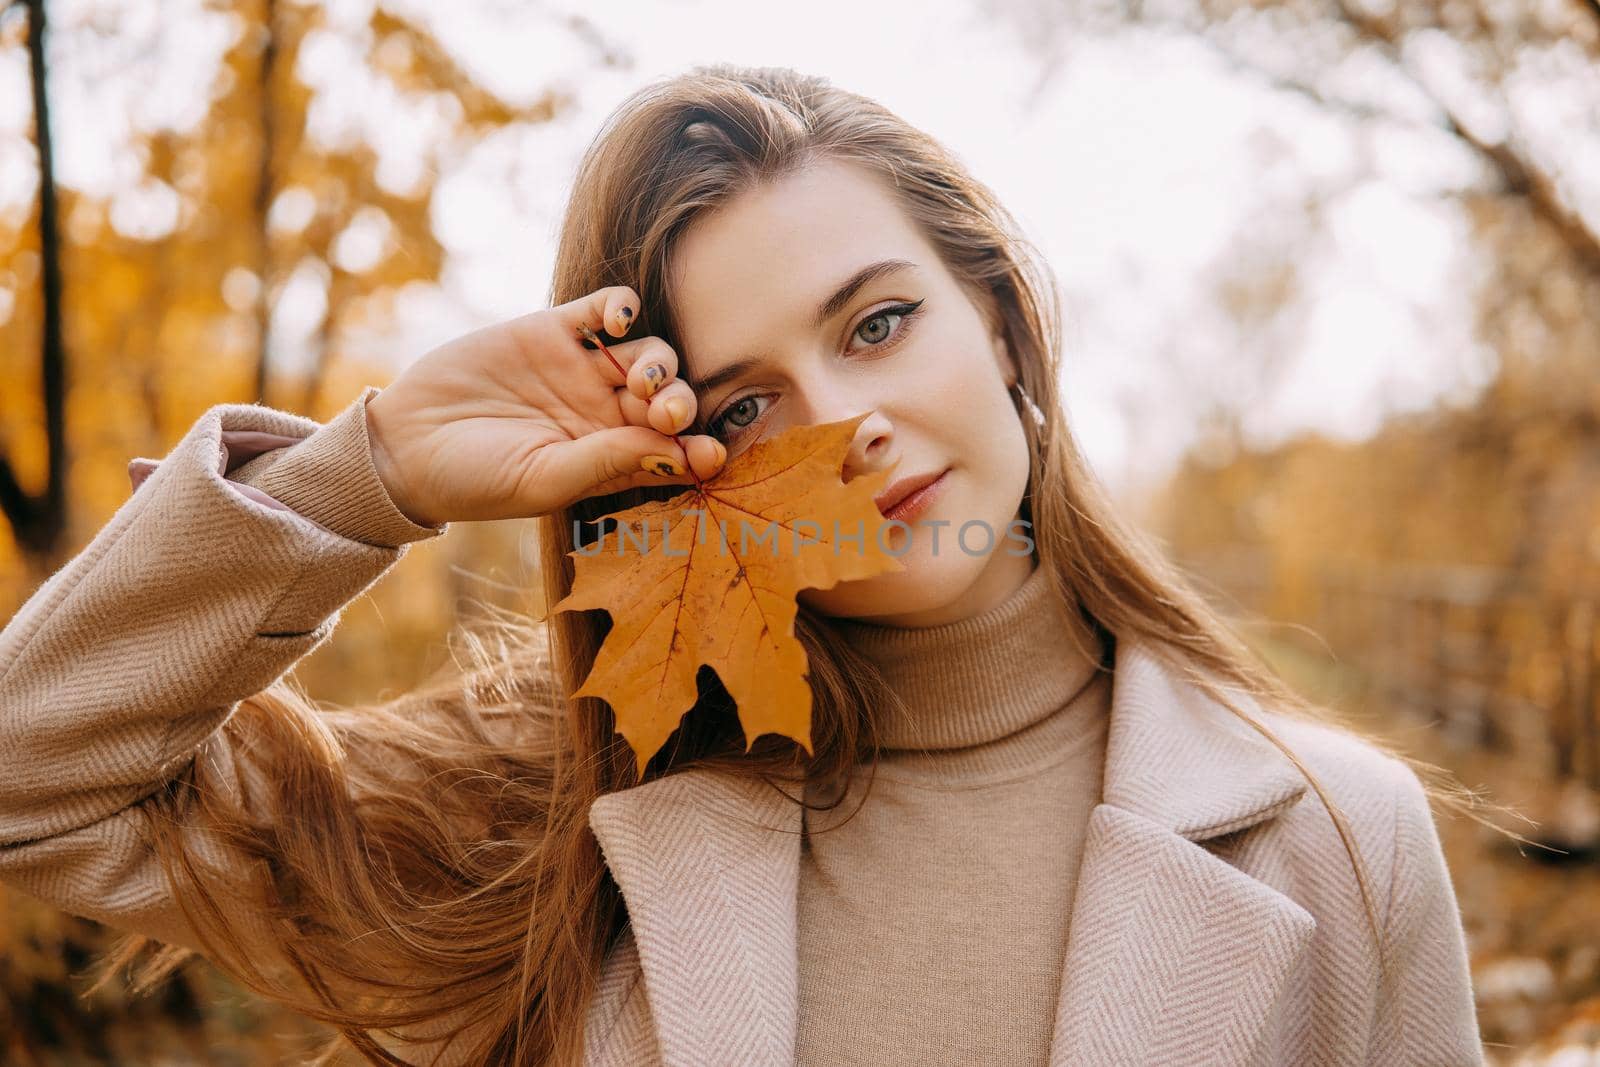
<point>771,336</point>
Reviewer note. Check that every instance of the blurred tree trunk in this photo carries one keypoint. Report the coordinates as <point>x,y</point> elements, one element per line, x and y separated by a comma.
<point>266,187</point>
<point>39,520</point>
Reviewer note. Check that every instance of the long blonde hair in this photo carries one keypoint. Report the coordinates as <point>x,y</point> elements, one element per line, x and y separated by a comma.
<point>427,862</point>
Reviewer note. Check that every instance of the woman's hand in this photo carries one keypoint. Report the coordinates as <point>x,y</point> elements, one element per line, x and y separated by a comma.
<point>519,419</point>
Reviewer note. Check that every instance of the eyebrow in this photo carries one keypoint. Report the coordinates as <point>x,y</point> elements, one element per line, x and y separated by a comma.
<point>825,311</point>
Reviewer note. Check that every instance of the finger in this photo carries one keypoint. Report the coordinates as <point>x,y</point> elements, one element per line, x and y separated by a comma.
<point>622,457</point>
<point>635,412</point>
<point>612,309</point>
<point>672,410</point>
<point>707,456</point>
<point>652,369</point>
<point>637,359</point>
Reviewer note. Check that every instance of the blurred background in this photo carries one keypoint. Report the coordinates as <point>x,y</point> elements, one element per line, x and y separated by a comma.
<point>1331,271</point>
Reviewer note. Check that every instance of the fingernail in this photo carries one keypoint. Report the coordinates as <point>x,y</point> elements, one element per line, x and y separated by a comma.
<point>722,451</point>
<point>677,410</point>
<point>626,314</point>
<point>665,466</point>
<point>655,376</point>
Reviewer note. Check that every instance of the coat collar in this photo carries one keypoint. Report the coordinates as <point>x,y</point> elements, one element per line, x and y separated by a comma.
<point>1173,954</point>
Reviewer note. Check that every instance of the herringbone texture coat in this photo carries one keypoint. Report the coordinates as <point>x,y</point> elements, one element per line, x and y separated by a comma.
<point>1216,920</point>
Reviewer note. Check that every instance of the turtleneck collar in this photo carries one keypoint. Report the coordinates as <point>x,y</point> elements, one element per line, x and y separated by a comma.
<point>981,679</point>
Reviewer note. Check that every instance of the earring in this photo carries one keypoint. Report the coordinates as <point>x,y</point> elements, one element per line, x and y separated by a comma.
<point>1027,402</point>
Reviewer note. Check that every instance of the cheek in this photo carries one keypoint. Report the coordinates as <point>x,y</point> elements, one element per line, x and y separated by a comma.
<point>950,388</point>
<point>1000,467</point>
<point>967,419</point>
<point>962,400</point>
<point>986,438</point>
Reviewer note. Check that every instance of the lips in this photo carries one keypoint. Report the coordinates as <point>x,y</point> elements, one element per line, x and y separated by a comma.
<point>898,490</point>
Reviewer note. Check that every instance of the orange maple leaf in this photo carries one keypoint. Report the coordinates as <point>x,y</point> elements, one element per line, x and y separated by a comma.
<point>710,577</point>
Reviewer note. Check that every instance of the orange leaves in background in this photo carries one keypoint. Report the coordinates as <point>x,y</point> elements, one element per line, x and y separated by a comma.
<point>711,576</point>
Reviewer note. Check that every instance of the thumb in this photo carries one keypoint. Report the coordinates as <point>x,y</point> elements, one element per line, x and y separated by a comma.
<point>625,457</point>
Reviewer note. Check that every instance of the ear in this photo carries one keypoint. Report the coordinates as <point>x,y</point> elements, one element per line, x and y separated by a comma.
<point>1003,359</point>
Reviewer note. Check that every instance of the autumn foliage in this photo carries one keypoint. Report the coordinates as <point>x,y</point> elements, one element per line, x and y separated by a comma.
<point>174,272</point>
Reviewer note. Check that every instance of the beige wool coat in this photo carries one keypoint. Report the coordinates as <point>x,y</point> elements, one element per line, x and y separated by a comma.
<point>1216,919</point>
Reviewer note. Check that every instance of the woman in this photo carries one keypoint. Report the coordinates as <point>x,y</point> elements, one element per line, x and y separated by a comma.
<point>1078,822</point>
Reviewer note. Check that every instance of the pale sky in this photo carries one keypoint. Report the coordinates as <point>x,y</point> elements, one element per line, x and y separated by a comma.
<point>1143,169</point>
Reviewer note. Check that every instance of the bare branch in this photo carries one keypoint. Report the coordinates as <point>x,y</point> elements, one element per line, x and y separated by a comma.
<point>1518,175</point>
<point>1289,84</point>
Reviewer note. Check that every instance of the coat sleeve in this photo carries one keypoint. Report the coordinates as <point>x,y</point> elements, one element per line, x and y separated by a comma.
<point>232,560</point>
<point>1427,1012</point>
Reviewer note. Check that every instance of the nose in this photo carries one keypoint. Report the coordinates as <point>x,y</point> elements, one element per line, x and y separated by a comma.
<point>871,448</point>
<point>825,397</point>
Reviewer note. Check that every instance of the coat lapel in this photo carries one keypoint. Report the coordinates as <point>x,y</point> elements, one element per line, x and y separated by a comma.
<point>1173,954</point>
<point>709,865</point>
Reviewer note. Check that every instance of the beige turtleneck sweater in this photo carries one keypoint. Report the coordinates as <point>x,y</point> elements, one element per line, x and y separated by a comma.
<point>933,922</point>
